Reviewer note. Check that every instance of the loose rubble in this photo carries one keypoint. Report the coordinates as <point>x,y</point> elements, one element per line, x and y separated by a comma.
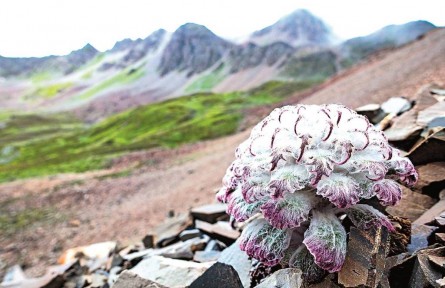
<point>200,249</point>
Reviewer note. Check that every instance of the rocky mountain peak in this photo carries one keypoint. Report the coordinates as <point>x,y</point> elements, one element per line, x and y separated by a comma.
<point>299,28</point>
<point>192,48</point>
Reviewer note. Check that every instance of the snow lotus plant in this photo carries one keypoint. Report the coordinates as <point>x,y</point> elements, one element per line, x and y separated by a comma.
<point>302,168</point>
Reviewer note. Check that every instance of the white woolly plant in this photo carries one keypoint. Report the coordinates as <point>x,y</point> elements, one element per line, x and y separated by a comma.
<point>303,167</point>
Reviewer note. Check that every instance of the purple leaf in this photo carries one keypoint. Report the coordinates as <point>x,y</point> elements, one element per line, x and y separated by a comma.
<point>365,217</point>
<point>341,190</point>
<point>264,242</point>
<point>289,211</point>
<point>387,191</point>
<point>239,209</point>
<point>326,240</point>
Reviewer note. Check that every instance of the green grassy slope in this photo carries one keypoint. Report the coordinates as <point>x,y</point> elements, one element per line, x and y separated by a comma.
<point>32,145</point>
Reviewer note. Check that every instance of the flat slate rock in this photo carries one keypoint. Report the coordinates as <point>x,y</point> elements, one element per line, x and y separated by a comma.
<point>412,205</point>
<point>365,258</point>
<point>129,279</point>
<point>419,236</point>
<point>209,213</point>
<point>220,275</point>
<point>239,260</point>
<point>170,272</point>
<point>284,278</point>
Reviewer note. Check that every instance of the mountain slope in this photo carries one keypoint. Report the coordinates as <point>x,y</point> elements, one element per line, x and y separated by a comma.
<point>300,28</point>
<point>395,73</point>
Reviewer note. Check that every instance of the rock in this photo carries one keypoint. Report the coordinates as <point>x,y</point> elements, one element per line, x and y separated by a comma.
<point>431,147</point>
<point>431,178</point>
<point>148,241</point>
<point>396,105</point>
<point>209,213</point>
<point>440,238</point>
<point>189,234</point>
<point>113,275</point>
<point>239,260</point>
<point>405,126</point>
<point>440,221</point>
<point>393,107</point>
<point>328,282</point>
<point>128,279</point>
<point>215,245</point>
<point>169,272</point>
<point>365,258</point>
<point>55,277</point>
<point>218,275</point>
<point>183,250</point>
<point>432,116</point>
<point>412,205</point>
<point>419,236</point>
<point>284,278</point>
<point>221,230</point>
<point>372,111</point>
<point>97,280</point>
<point>206,256</point>
<point>425,274</point>
<point>114,260</point>
<point>13,276</point>
<point>430,215</point>
<point>168,232</point>
<point>398,270</point>
<point>93,256</point>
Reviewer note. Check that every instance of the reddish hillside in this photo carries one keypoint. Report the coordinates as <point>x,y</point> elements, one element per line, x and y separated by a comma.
<point>393,73</point>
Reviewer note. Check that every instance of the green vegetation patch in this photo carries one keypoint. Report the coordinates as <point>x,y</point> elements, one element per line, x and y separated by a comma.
<point>171,123</point>
<point>124,77</point>
<point>50,91</point>
<point>314,67</point>
<point>13,221</point>
<point>207,82</point>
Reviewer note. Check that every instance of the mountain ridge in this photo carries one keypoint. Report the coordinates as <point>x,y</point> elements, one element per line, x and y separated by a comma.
<point>190,60</point>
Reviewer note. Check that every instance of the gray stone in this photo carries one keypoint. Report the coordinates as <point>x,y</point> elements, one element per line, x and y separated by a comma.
<point>148,241</point>
<point>128,279</point>
<point>206,256</point>
<point>419,236</point>
<point>221,230</point>
<point>430,215</point>
<point>113,275</point>
<point>425,274</point>
<point>189,234</point>
<point>169,272</point>
<point>365,258</point>
<point>219,275</point>
<point>209,213</point>
<point>183,249</point>
<point>168,232</point>
<point>284,278</point>
<point>239,260</point>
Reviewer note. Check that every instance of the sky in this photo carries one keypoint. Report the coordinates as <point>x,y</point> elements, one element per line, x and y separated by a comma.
<point>57,27</point>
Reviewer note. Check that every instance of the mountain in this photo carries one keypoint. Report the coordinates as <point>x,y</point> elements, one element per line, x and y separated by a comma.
<point>62,64</point>
<point>391,36</point>
<point>300,28</point>
<point>297,48</point>
<point>193,48</point>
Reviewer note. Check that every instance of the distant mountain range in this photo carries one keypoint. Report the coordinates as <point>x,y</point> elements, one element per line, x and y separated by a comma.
<point>299,47</point>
